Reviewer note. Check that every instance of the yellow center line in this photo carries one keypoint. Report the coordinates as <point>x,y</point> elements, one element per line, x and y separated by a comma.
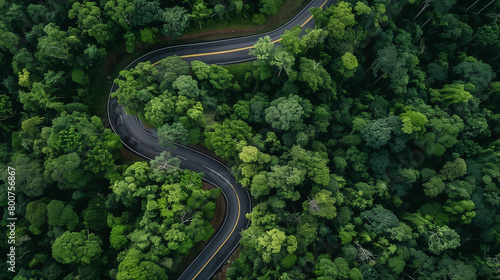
<point>230,234</point>
<point>240,49</point>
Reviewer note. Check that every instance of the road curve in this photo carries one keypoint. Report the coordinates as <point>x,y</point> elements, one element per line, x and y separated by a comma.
<point>144,142</point>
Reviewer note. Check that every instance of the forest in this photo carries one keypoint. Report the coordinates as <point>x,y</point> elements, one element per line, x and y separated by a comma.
<point>370,144</point>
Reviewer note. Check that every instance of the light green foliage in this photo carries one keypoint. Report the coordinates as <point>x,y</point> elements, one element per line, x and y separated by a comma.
<point>434,186</point>
<point>444,238</point>
<point>79,77</point>
<point>133,266</point>
<point>89,18</point>
<point>413,122</point>
<point>284,60</point>
<point>361,8</point>
<point>341,17</point>
<point>361,196</point>
<point>487,35</point>
<point>148,35</point>
<point>323,205</point>
<point>285,179</point>
<point>349,61</point>
<point>127,189</point>
<point>117,237</point>
<point>77,143</point>
<point>292,42</point>
<point>217,76</point>
<point>314,37</point>
<point>136,87</point>
<point>76,247</point>
<point>316,166</point>
<point>200,11</point>
<point>325,269</point>
<point>130,41</point>
<point>56,44</point>
<point>160,110</point>
<point>450,94</point>
<point>227,138</point>
<point>462,208</point>
<point>315,76</point>
<point>273,242</point>
<point>259,185</point>
<point>119,11</point>
<point>24,79</point>
<point>264,51</point>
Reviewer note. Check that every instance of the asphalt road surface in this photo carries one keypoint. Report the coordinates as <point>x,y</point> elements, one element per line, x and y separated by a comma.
<point>145,143</point>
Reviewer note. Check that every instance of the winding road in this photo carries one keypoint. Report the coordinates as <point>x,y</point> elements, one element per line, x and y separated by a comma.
<point>144,142</point>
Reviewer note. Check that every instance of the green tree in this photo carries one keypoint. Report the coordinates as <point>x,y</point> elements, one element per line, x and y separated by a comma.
<point>188,87</point>
<point>287,113</point>
<point>36,214</point>
<point>228,138</point>
<point>379,132</point>
<point>60,215</point>
<point>176,20</point>
<point>442,239</point>
<point>292,42</point>
<point>264,51</point>
<point>413,122</point>
<point>117,238</point>
<point>451,94</point>
<point>145,12</point>
<point>94,216</point>
<point>119,11</point>
<point>215,75</point>
<point>315,76</point>
<point>89,20</point>
<point>270,7</point>
<point>273,241</point>
<point>475,72</point>
<point>134,266</point>
<point>172,134</point>
<point>454,169</point>
<point>379,220</point>
<point>29,178</point>
<point>136,88</point>
<point>434,186</point>
<point>323,205</point>
<point>76,247</point>
<point>200,12</point>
